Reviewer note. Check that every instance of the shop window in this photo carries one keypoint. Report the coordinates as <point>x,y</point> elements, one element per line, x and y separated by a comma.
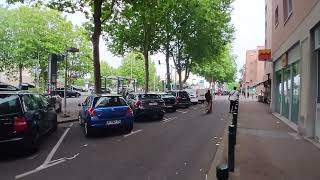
<point>295,93</point>
<point>287,9</point>
<point>276,16</point>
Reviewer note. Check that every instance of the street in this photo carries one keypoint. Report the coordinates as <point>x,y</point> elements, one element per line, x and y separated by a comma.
<point>181,146</point>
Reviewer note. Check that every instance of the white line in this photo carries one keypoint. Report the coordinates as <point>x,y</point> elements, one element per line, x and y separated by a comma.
<point>169,120</point>
<point>206,176</point>
<point>132,133</point>
<point>183,112</point>
<point>55,148</point>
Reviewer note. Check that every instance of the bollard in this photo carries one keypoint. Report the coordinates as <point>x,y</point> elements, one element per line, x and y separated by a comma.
<point>222,172</point>
<point>231,148</point>
<point>235,124</point>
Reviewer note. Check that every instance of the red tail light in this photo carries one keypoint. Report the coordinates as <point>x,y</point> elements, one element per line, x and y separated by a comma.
<point>20,124</point>
<point>129,111</point>
<point>138,104</point>
<point>92,112</point>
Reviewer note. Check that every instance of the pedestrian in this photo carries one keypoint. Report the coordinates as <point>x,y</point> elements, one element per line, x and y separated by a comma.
<point>208,97</point>
<point>233,97</point>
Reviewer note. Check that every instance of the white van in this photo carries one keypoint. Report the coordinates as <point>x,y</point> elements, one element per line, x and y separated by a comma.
<point>193,95</point>
<point>201,95</point>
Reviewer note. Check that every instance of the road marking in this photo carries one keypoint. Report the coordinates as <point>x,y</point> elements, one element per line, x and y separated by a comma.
<point>194,108</point>
<point>169,119</point>
<point>48,163</point>
<point>55,148</point>
<point>183,112</point>
<point>206,176</point>
<point>132,133</point>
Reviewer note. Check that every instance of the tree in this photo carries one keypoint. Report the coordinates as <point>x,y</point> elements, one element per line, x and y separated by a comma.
<point>98,11</point>
<point>136,28</point>
<point>133,64</point>
<point>31,33</point>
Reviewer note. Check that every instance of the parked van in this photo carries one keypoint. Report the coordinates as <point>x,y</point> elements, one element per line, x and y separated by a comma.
<point>201,95</point>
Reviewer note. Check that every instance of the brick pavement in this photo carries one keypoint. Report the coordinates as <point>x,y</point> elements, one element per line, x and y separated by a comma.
<point>268,149</point>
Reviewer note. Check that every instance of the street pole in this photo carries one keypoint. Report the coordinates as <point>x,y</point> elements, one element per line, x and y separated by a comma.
<point>131,67</point>
<point>65,87</point>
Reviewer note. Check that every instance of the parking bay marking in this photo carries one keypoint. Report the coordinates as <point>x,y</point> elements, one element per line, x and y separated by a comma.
<point>183,112</point>
<point>132,133</point>
<point>48,163</point>
<point>166,120</point>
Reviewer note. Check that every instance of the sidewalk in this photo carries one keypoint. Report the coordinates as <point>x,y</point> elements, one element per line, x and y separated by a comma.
<point>267,149</point>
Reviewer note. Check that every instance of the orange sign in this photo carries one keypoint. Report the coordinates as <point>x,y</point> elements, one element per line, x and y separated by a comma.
<point>264,55</point>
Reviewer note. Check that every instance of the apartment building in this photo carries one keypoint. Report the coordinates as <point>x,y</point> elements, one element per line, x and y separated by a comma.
<point>253,72</point>
<point>295,44</point>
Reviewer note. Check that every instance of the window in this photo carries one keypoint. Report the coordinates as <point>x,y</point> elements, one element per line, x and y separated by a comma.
<point>276,16</point>
<point>287,9</point>
<point>30,103</point>
<point>109,102</point>
<point>9,104</point>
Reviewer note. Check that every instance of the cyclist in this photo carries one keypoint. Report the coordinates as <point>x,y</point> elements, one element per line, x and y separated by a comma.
<point>208,97</point>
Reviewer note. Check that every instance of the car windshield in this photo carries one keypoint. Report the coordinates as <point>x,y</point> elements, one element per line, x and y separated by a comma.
<point>183,94</point>
<point>9,104</point>
<point>149,96</point>
<point>108,101</point>
<point>166,95</point>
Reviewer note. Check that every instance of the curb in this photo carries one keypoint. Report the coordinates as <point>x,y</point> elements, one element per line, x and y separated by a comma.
<point>219,156</point>
<point>67,121</point>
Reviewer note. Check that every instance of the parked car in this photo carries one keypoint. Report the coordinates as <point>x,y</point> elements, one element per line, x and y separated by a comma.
<point>100,112</point>
<point>193,95</point>
<point>146,105</point>
<point>70,93</point>
<point>201,95</point>
<point>7,87</point>
<point>170,102</point>
<point>24,119</point>
<point>182,97</point>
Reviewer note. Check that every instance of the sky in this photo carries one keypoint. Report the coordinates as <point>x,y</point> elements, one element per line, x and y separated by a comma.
<point>247,17</point>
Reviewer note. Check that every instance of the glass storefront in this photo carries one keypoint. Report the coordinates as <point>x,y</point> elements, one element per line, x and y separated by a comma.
<point>288,92</point>
<point>295,93</point>
<point>278,91</point>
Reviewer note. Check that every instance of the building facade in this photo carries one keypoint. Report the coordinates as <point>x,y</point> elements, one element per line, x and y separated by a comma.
<point>295,44</point>
<point>253,72</point>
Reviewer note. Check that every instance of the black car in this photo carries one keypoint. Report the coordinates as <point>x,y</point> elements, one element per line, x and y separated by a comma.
<point>146,105</point>
<point>24,118</point>
<point>60,92</point>
<point>170,102</point>
<point>182,97</point>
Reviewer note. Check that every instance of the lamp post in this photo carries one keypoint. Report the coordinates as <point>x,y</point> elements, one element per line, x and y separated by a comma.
<point>72,50</point>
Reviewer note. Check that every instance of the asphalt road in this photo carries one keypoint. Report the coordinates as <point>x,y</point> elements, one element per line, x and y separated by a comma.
<point>182,146</point>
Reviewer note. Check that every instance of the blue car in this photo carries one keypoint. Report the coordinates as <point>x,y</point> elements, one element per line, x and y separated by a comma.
<point>100,112</point>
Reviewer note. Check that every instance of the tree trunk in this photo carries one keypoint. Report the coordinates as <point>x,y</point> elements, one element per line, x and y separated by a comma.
<point>180,79</point>
<point>20,74</point>
<point>146,66</point>
<point>168,67</point>
<point>95,42</point>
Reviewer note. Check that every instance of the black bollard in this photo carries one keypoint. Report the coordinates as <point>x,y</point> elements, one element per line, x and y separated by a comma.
<point>222,172</point>
<point>235,124</point>
<point>231,148</point>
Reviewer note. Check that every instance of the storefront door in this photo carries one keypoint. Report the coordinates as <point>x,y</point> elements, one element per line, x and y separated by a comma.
<point>317,123</point>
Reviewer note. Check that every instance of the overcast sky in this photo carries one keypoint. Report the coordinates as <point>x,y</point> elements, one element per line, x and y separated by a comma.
<point>249,20</point>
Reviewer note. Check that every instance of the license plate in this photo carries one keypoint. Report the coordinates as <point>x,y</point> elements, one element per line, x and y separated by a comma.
<point>153,104</point>
<point>114,122</point>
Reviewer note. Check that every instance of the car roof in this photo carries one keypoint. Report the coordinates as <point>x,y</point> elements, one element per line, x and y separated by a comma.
<point>106,95</point>
<point>17,92</point>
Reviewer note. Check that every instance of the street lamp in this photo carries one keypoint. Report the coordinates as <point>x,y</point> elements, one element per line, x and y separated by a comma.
<point>72,50</point>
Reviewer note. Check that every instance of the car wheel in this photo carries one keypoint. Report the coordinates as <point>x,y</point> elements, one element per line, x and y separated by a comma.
<point>128,128</point>
<point>54,124</point>
<point>174,109</point>
<point>32,144</point>
<point>88,130</point>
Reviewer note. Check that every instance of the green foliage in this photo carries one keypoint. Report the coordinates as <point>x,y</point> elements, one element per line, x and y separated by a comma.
<point>29,34</point>
<point>233,84</point>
